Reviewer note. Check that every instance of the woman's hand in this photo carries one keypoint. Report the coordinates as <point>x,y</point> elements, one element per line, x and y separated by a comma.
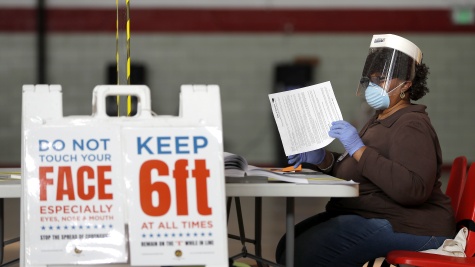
<point>314,157</point>
<point>347,134</point>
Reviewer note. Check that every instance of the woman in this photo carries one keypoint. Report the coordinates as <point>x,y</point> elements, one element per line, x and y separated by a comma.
<point>396,159</point>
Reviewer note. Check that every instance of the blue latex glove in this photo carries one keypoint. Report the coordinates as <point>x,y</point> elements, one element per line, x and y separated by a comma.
<point>314,157</point>
<point>347,134</point>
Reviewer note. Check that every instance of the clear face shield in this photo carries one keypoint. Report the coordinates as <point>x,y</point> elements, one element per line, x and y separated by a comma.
<point>383,66</point>
<point>390,62</point>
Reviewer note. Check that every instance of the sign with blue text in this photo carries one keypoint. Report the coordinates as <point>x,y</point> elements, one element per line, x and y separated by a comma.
<point>75,195</point>
<point>172,177</point>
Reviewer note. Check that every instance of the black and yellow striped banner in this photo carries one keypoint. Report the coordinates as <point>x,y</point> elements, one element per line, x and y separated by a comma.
<point>117,55</point>
<point>129,98</point>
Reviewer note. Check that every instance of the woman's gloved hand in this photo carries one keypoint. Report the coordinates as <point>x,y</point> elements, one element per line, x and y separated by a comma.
<point>347,134</point>
<point>314,157</point>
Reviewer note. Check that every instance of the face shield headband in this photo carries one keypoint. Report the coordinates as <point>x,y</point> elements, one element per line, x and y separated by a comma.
<point>384,63</point>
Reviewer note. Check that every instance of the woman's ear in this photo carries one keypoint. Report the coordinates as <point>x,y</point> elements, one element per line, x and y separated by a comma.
<point>406,86</point>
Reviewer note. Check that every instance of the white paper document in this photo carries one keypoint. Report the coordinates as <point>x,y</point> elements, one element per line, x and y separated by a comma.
<point>304,116</point>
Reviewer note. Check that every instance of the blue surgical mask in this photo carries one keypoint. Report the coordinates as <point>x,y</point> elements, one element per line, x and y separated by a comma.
<point>376,97</point>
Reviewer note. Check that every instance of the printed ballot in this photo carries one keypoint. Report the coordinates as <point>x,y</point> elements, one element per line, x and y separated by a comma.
<point>304,116</point>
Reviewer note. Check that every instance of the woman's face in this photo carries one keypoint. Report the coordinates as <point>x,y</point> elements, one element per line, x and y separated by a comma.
<point>395,86</point>
<point>383,82</point>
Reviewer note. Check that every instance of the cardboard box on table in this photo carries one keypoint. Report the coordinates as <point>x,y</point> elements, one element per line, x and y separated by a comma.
<point>144,190</point>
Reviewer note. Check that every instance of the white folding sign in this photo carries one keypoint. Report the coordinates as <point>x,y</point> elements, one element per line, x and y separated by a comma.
<point>87,178</point>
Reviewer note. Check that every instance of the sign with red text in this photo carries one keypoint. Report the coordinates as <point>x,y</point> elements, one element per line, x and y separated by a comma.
<point>174,178</point>
<point>75,196</point>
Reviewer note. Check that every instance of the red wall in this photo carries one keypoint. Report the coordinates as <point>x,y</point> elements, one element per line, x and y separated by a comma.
<point>239,20</point>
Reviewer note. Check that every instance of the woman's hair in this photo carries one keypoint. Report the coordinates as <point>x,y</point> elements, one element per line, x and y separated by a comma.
<point>419,84</point>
